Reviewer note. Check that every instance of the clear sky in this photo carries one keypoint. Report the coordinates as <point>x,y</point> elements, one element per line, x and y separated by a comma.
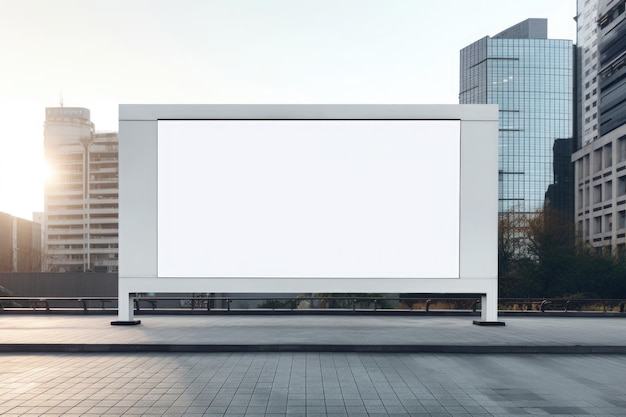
<point>99,53</point>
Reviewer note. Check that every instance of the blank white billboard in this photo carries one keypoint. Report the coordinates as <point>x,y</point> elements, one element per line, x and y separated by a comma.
<point>308,198</point>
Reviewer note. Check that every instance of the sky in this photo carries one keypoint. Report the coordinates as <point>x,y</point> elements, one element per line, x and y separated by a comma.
<point>101,53</point>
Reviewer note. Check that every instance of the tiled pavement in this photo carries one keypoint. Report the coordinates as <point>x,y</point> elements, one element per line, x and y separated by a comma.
<point>311,384</point>
<point>339,384</point>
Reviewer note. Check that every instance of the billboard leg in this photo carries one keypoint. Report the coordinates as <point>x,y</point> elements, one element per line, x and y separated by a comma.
<point>489,311</point>
<point>125,312</point>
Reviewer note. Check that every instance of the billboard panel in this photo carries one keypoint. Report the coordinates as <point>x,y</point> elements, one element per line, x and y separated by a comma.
<point>308,198</point>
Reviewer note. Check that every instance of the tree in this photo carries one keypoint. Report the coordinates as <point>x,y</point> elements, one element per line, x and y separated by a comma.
<point>552,247</point>
<point>539,256</point>
<point>512,254</point>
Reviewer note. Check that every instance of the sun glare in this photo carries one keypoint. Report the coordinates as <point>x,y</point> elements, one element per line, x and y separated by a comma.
<point>46,172</point>
<point>31,187</point>
<point>37,175</point>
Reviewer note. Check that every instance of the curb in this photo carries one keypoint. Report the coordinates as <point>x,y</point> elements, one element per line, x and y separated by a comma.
<point>188,348</point>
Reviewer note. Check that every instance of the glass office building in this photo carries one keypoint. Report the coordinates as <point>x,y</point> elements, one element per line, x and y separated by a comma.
<point>612,56</point>
<point>531,78</point>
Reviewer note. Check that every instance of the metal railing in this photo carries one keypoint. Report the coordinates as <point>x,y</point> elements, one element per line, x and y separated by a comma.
<point>355,304</point>
<point>313,304</point>
<point>542,305</point>
<point>58,303</point>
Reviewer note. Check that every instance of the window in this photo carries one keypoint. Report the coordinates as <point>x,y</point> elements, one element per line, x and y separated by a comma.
<point>608,223</point>
<point>608,190</point>
<point>580,198</point>
<point>597,194</point>
<point>579,168</point>
<point>597,160</point>
<point>597,225</point>
<point>621,149</point>
<point>621,186</point>
<point>608,155</point>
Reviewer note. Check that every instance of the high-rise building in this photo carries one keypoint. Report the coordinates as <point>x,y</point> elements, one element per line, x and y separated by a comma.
<point>81,196</point>
<point>612,74</point>
<point>600,165</point>
<point>587,71</point>
<point>531,78</point>
<point>20,244</point>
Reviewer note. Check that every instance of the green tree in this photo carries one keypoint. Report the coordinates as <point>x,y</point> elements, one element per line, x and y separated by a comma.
<point>539,256</point>
<point>552,247</point>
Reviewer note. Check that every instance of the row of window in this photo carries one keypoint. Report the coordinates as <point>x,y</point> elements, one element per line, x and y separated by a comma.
<point>601,158</point>
<point>602,224</point>
<point>600,193</point>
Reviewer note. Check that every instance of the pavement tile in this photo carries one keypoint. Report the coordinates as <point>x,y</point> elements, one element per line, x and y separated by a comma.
<point>315,383</point>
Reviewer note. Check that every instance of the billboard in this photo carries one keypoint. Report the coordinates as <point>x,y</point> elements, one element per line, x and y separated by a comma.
<point>310,198</point>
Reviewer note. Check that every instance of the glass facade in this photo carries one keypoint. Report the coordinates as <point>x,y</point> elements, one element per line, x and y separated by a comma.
<point>612,51</point>
<point>532,82</point>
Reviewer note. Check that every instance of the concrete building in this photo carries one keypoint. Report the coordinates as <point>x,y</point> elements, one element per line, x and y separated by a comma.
<point>531,78</point>
<point>20,244</point>
<point>81,197</point>
<point>601,165</point>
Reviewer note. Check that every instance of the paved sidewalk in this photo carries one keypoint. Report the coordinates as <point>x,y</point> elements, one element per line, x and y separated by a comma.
<point>312,333</point>
<point>312,384</point>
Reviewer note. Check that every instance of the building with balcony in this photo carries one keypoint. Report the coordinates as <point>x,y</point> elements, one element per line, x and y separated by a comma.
<point>81,196</point>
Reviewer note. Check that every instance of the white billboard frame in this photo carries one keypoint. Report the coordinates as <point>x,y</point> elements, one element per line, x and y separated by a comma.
<point>139,202</point>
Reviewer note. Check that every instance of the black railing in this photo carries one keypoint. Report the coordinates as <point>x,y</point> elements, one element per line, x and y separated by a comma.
<point>542,305</point>
<point>355,304</point>
<point>58,303</point>
<point>313,304</point>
